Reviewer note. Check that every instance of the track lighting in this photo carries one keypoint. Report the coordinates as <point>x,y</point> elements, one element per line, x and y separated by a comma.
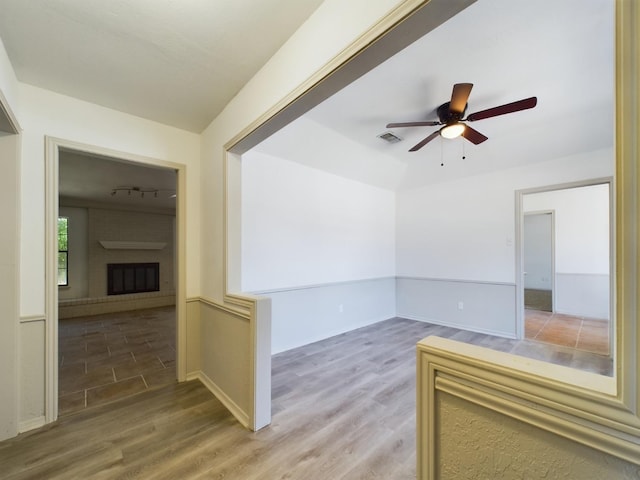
<point>141,191</point>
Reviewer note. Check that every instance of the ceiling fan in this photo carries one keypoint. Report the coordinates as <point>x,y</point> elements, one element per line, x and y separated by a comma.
<point>451,115</point>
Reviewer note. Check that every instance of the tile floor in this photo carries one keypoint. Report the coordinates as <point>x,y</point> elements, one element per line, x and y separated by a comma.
<point>591,335</point>
<point>107,357</point>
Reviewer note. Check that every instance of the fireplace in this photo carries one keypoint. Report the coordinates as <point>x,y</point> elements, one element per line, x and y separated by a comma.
<point>123,278</point>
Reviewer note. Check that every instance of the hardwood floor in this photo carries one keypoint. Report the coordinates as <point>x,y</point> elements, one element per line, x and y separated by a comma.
<point>535,299</point>
<point>343,408</point>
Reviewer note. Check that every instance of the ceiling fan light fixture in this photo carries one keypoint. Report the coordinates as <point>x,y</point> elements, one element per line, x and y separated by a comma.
<point>453,130</point>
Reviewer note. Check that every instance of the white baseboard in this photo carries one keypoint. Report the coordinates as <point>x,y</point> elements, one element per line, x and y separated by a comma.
<point>232,406</point>
<point>31,424</point>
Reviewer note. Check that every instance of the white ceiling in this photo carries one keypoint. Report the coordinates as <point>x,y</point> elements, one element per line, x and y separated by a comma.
<point>560,51</point>
<point>178,62</point>
<point>91,179</point>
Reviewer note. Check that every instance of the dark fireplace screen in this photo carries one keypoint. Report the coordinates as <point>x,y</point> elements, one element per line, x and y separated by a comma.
<point>132,278</point>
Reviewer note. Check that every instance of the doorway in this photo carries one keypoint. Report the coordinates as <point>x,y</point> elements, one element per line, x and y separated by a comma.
<point>565,258</point>
<point>538,261</point>
<point>119,209</point>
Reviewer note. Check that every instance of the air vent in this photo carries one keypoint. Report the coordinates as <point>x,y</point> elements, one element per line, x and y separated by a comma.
<point>389,137</point>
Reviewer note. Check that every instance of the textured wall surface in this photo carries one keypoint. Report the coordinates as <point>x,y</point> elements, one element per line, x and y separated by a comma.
<point>476,443</point>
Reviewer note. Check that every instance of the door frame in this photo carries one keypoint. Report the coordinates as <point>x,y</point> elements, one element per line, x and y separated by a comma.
<point>52,164</point>
<point>519,250</point>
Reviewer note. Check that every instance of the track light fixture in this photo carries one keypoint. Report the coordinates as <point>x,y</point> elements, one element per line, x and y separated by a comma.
<point>140,191</point>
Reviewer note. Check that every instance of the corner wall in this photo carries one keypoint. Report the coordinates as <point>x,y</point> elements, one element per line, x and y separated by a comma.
<point>460,245</point>
<point>305,315</point>
<point>322,247</point>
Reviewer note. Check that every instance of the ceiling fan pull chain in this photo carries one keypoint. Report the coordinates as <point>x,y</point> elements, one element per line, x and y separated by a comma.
<point>441,152</point>
<point>463,154</point>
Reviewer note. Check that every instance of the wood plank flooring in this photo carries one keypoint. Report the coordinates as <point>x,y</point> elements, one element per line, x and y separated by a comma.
<point>343,408</point>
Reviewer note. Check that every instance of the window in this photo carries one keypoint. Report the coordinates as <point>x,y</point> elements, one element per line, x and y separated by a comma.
<point>63,251</point>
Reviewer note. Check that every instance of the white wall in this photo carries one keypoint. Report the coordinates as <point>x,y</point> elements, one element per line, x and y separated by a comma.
<point>338,24</point>
<point>303,227</point>
<point>465,230</point>
<point>455,243</point>
<point>581,247</point>
<point>538,250</point>
<point>582,226</point>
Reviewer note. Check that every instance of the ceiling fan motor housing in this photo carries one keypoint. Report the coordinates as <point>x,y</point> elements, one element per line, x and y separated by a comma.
<point>448,117</point>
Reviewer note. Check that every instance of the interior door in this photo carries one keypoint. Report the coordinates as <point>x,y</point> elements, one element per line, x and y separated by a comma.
<point>538,261</point>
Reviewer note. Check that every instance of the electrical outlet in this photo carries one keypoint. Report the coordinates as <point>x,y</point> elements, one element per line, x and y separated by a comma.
<point>460,305</point>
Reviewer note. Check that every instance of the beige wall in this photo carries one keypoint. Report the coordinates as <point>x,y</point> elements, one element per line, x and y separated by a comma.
<point>9,192</point>
<point>9,254</point>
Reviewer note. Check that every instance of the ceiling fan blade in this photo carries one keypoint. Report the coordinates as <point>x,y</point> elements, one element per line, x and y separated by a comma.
<point>459,97</point>
<point>473,135</point>
<point>425,141</point>
<point>413,124</point>
<point>504,109</point>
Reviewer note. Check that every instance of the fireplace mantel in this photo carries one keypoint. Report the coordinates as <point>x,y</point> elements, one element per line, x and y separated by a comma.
<point>131,245</point>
